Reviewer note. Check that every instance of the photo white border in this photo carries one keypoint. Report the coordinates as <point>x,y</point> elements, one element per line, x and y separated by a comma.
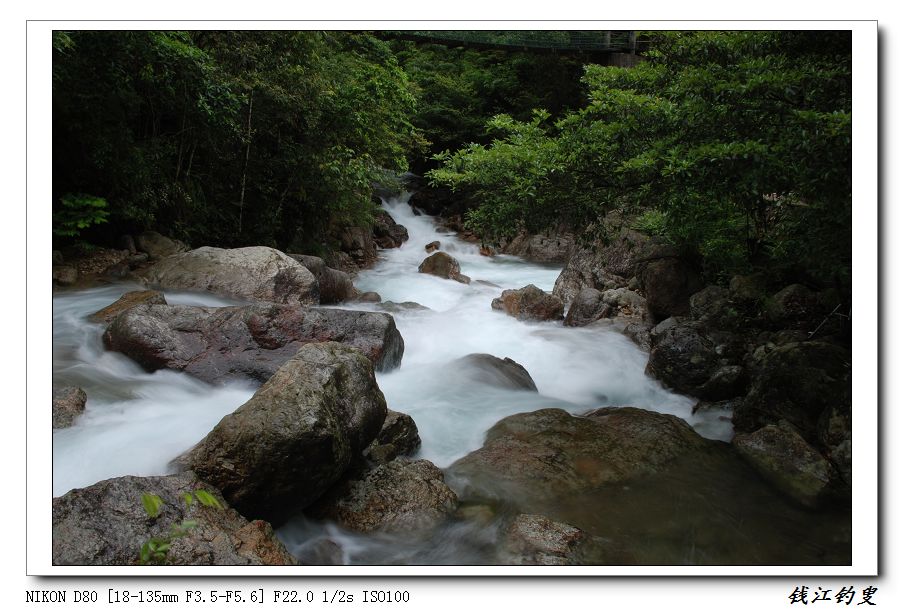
<point>865,294</point>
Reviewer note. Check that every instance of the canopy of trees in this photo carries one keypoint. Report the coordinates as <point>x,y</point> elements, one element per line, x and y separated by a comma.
<point>227,138</point>
<point>736,145</point>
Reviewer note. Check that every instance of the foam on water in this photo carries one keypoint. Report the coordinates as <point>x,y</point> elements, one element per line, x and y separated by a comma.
<point>135,422</point>
<point>574,368</point>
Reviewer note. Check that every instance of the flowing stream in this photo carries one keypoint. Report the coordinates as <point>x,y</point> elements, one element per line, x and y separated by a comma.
<point>135,422</point>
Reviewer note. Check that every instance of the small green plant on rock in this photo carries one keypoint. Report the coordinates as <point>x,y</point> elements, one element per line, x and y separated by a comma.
<point>154,551</point>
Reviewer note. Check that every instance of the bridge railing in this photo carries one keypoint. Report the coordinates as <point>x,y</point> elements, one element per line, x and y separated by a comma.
<point>551,40</point>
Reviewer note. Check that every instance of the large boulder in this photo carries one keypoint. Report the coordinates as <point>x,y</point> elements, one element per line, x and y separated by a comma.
<point>284,448</point>
<point>530,304</point>
<point>106,524</point>
<point>549,247</point>
<point>68,405</point>
<point>547,454</point>
<point>127,301</point>
<point>335,285</point>
<point>158,246</point>
<point>797,382</point>
<point>246,342</point>
<point>397,437</point>
<point>787,461</point>
<point>608,260</point>
<point>691,359</point>
<point>387,232</point>
<point>402,496</point>
<point>794,307</point>
<point>532,539</point>
<point>484,368</point>
<point>591,305</point>
<point>443,265</point>
<point>358,243</point>
<point>253,273</point>
<point>668,280</point>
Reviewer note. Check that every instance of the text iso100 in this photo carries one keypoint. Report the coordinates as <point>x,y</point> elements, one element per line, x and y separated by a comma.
<point>386,596</point>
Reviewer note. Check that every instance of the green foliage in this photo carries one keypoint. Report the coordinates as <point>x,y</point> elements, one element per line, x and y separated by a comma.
<point>229,138</point>
<point>742,140</point>
<point>77,212</point>
<point>458,90</point>
<point>154,551</point>
<point>652,222</point>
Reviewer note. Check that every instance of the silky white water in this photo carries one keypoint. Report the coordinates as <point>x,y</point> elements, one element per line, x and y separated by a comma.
<point>574,368</point>
<point>134,422</point>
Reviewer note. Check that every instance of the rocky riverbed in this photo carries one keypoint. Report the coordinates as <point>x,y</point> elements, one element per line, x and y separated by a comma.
<point>470,409</point>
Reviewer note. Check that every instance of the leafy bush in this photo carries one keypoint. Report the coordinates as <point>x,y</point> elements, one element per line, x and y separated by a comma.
<point>155,550</point>
<point>77,212</point>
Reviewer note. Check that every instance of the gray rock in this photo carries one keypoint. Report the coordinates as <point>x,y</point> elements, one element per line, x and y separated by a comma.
<point>553,246</point>
<point>158,246</point>
<point>246,342</point>
<point>358,243</point>
<point>68,405</point>
<point>284,448</point>
<point>749,289</point>
<point>529,304</point>
<point>127,301</point>
<point>796,382</point>
<point>106,524</point>
<point>397,437</point>
<point>484,368</point>
<point>609,260</point>
<point>547,454</point>
<point>369,297</point>
<point>786,460</point>
<point>432,246</point>
<point>400,306</point>
<point>387,232</point>
<point>254,273</point>
<point>532,539</point>
<point>335,286</point>
<point>726,382</point>
<point>640,334</point>
<point>794,307</point>
<point>444,266</point>
<point>65,275</point>
<point>668,281</point>
<point>591,305</point>
<point>402,496</point>
<point>683,358</point>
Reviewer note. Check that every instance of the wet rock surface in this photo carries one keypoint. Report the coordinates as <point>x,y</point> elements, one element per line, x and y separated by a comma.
<point>402,496</point>
<point>68,405</point>
<point>106,524</point>
<point>253,273</point>
<point>443,265</point>
<point>530,304</point>
<point>245,342</point>
<point>284,448</point>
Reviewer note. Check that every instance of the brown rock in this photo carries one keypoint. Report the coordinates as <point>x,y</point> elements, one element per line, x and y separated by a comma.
<point>106,524</point>
<point>128,300</point>
<point>245,342</point>
<point>68,405</point>
<point>529,304</point>
<point>400,496</point>
<point>444,266</point>
<point>299,433</point>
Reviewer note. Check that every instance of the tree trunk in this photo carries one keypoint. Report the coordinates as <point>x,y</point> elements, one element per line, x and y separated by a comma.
<point>247,154</point>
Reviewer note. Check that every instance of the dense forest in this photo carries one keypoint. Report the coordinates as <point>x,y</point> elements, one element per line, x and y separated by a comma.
<point>735,146</point>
